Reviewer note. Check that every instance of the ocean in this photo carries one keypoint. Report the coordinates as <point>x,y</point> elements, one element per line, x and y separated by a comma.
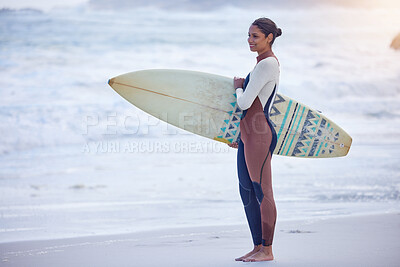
<point>76,159</point>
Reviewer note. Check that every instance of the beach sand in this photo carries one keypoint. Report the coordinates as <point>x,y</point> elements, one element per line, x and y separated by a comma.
<point>369,240</point>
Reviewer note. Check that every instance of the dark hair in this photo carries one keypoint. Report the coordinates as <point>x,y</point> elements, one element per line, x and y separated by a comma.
<point>267,26</point>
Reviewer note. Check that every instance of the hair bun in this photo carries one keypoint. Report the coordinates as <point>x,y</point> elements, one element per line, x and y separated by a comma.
<point>278,32</point>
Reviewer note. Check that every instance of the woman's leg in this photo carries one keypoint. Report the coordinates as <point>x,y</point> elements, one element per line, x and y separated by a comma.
<point>250,203</point>
<point>264,195</point>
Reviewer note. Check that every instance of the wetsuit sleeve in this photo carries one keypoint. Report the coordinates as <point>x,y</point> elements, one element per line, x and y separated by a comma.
<point>265,71</point>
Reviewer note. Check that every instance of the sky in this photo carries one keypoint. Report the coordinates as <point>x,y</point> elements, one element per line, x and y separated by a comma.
<point>50,4</point>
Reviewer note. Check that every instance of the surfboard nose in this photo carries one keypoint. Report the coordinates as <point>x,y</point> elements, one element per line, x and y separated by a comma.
<point>111,82</point>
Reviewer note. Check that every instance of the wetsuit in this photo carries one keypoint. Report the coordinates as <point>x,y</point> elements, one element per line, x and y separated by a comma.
<point>255,146</point>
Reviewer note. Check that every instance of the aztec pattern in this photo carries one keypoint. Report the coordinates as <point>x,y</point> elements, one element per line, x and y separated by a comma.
<point>230,129</point>
<point>301,132</point>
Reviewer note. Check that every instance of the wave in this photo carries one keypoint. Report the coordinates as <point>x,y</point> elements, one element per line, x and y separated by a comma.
<point>55,66</point>
<point>393,195</point>
<point>20,11</point>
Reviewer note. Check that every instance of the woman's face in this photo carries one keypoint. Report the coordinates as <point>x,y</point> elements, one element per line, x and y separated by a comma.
<point>258,42</point>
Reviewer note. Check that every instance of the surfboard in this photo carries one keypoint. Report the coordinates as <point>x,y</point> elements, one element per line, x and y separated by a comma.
<point>205,104</point>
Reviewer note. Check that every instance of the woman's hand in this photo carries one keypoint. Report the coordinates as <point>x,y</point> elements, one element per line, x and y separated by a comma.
<point>233,145</point>
<point>238,82</point>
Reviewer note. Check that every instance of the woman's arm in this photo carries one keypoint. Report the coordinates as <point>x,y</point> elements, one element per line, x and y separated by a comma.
<point>265,71</point>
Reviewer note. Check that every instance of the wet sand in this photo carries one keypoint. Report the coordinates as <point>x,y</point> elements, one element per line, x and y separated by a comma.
<point>370,240</point>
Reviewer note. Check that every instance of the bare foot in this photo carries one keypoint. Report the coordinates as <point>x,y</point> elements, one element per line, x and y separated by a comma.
<point>254,251</point>
<point>263,254</point>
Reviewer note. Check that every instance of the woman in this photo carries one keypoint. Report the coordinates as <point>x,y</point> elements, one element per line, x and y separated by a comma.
<point>255,96</point>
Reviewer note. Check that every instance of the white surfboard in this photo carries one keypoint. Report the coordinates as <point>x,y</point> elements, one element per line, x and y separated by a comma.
<point>205,104</point>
